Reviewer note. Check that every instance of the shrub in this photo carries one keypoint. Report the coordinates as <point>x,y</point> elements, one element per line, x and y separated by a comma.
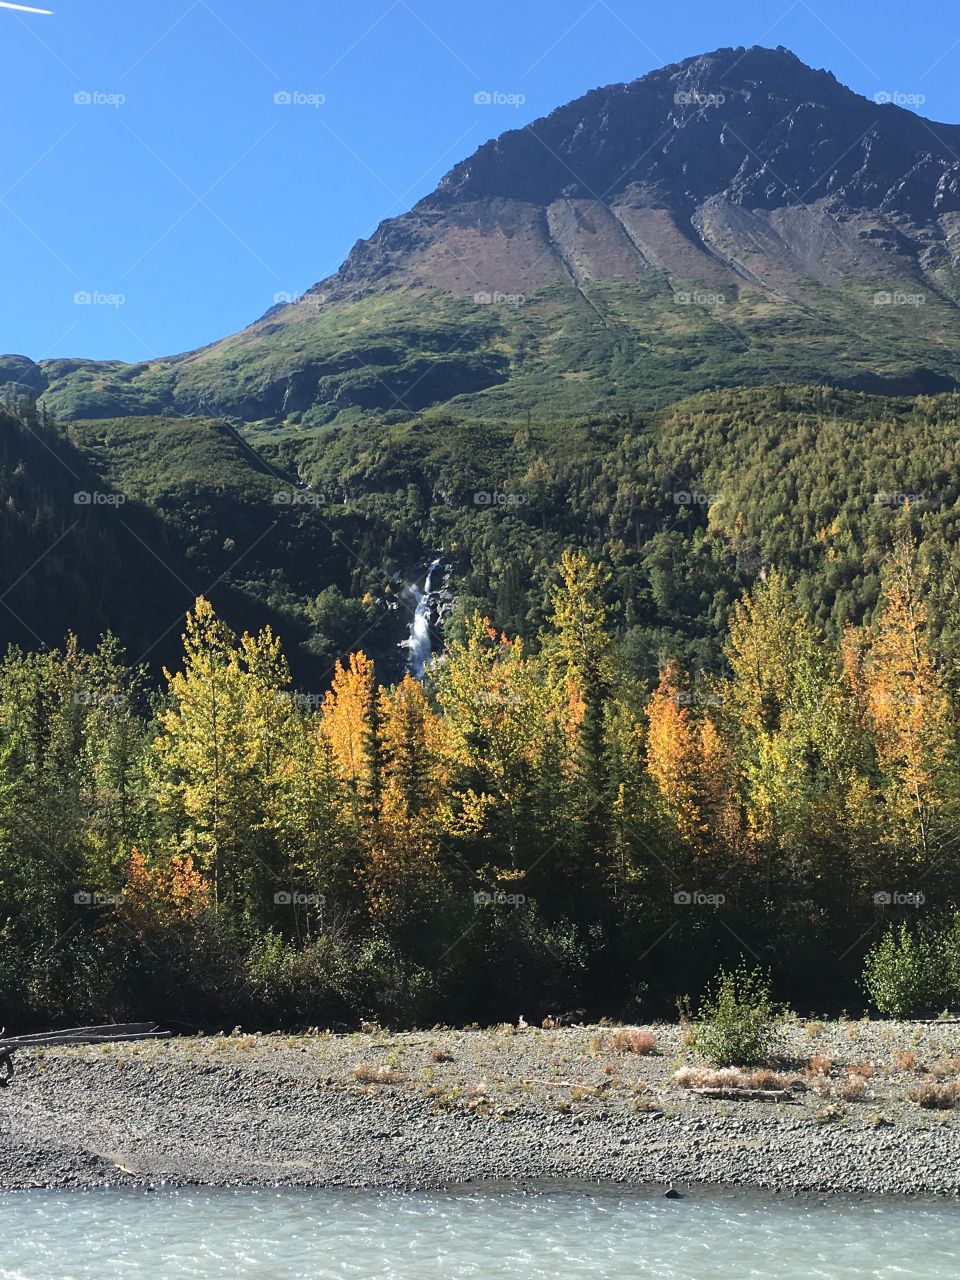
<point>628,1041</point>
<point>441,1055</point>
<point>820,1065</point>
<point>935,1097</point>
<point>729,1078</point>
<point>852,1089</point>
<point>737,1023</point>
<point>950,945</point>
<point>900,974</point>
<point>906,1061</point>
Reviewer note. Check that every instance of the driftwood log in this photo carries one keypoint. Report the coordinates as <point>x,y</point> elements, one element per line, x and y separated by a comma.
<point>746,1095</point>
<point>107,1033</point>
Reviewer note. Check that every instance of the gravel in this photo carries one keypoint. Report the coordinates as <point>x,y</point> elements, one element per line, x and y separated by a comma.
<point>509,1105</point>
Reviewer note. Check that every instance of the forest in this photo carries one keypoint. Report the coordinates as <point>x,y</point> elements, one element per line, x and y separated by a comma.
<point>314,534</point>
<point>535,829</point>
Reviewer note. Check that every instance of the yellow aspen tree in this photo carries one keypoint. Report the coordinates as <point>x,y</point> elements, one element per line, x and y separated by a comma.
<point>909,706</point>
<point>497,717</point>
<point>223,731</point>
<point>204,753</point>
<point>672,744</point>
<point>404,858</point>
<point>349,719</point>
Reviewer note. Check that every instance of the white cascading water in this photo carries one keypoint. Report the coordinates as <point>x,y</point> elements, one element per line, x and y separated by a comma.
<point>419,643</point>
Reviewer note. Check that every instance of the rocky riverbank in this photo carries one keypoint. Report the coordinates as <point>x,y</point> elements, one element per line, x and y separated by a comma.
<point>446,1107</point>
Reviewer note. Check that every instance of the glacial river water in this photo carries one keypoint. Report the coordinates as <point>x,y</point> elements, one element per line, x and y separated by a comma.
<point>560,1235</point>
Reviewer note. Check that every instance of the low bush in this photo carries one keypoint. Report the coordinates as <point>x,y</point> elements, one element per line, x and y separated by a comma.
<point>820,1065</point>
<point>633,1041</point>
<point>906,1060</point>
<point>936,1097</point>
<point>737,1023</point>
<point>852,1089</point>
<point>901,974</point>
<point>729,1078</point>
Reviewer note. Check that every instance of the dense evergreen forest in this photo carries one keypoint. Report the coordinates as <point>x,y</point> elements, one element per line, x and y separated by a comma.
<point>314,534</point>
<point>713,652</point>
<point>532,830</point>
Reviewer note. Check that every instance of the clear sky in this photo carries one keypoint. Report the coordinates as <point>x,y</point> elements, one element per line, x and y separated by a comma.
<point>145,156</point>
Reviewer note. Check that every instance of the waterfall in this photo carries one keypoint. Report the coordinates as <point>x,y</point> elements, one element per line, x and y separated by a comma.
<point>419,643</point>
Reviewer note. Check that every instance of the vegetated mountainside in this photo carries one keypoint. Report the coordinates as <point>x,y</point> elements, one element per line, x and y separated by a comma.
<point>734,219</point>
<point>688,506</point>
<point>121,524</point>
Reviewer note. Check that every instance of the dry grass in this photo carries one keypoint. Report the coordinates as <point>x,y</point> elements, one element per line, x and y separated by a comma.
<point>936,1097</point>
<point>820,1065</point>
<point>729,1078</point>
<point>863,1069</point>
<point>646,1106</point>
<point>629,1040</point>
<point>853,1089</point>
<point>364,1073</point>
<point>477,1096</point>
<point>907,1060</point>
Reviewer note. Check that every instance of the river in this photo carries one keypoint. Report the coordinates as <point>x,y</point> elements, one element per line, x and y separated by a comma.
<point>561,1234</point>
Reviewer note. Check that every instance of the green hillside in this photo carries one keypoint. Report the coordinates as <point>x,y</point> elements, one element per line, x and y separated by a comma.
<point>688,505</point>
<point>564,352</point>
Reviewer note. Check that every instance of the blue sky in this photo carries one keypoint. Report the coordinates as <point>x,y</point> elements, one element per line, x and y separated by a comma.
<point>146,159</point>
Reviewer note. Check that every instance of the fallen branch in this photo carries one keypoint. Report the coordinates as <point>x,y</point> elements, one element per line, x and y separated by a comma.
<point>747,1095</point>
<point>563,1084</point>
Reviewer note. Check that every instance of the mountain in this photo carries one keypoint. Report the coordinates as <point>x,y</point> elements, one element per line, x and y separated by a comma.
<point>735,219</point>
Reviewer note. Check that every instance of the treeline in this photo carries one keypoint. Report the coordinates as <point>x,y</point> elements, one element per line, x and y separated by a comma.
<point>529,832</point>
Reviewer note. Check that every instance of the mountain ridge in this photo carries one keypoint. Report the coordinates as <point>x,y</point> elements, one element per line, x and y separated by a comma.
<point>734,218</point>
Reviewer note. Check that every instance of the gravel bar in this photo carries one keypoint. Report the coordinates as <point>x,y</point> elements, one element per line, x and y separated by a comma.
<point>442,1108</point>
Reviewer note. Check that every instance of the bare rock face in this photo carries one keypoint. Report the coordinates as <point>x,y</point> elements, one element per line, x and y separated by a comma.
<point>743,164</point>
